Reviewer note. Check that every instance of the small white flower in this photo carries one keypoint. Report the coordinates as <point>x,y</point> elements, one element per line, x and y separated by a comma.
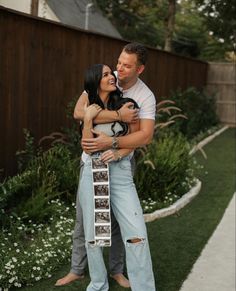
<point>11,280</point>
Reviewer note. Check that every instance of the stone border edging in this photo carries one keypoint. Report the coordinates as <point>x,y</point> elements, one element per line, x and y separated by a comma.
<point>175,207</point>
<point>206,140</point>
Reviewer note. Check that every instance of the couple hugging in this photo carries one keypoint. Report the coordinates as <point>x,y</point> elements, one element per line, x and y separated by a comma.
<point>117,111</point>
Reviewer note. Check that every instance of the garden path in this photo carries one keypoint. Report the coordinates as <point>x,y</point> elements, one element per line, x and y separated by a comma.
<point>215,268</point>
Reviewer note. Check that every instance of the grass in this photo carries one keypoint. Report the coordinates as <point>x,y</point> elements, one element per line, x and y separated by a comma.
<point>177,241</point>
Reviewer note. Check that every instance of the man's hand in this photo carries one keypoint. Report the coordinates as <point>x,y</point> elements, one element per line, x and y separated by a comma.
<point>128,114</point>
<point>100,142</point>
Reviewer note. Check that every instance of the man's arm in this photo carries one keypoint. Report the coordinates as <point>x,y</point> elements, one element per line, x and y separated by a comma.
<point>133,140</point>
<point>113,155</point>
<point>105,116</point>
<point>139,138</point>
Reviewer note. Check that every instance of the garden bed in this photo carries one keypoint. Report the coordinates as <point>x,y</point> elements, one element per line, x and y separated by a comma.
<point>176,241</point>
<point>39,199</point>
<point>175,207</point>
<point>186,198</point>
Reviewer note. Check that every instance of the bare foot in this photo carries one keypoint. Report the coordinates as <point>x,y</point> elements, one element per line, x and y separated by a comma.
<point>69,278</point>
<point>121,280</point>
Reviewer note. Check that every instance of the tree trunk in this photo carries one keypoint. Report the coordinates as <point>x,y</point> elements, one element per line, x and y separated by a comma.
<point>170,25</point>
<point>34,7</point>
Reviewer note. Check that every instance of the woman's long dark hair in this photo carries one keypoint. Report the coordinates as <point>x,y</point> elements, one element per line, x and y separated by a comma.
<point>93,76</point>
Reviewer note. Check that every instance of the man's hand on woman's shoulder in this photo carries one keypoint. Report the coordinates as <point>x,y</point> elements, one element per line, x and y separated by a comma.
<point>128,114</point>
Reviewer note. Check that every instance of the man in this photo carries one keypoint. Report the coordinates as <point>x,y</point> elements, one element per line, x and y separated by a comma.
<point>131,64</point>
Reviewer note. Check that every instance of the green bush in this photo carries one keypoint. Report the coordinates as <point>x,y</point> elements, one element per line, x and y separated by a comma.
<point>45,171</point>
<point>200,109</point>
<point>164,170</point>
<point>53,173</point>
<point>28,153</point>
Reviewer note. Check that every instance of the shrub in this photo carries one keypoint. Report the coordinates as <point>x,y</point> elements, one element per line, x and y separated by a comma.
<point>52,174</point>
<point>200,109</point>
<point>164,170</point>
<point>28,153</point>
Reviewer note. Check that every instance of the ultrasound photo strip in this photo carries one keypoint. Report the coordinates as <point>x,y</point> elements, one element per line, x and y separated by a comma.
<point>102,203</point>
<point>98,164</point>
<point>101,191</point>
<point>100,176</point>
<point>102,231</point>
<point>102,217</point>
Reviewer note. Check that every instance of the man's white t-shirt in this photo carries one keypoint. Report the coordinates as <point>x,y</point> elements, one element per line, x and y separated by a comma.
<point>144,98</point>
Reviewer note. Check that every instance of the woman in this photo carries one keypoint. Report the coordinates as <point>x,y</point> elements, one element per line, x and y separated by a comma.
<point>100,84</point>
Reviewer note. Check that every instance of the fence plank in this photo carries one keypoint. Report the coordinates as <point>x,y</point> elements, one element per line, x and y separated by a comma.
<point>42,66</point>
<point>221,81</point>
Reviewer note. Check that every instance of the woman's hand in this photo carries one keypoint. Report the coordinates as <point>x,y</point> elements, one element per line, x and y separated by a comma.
<point>110,156</point>
<point>91,111</point>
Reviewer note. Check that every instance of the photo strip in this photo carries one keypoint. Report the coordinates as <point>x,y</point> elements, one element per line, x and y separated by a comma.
<point>98,164</point>
<point>102,231</point>
<point>103,242</point>
<point>100,176</point>
<point>102,203</point>
<point>102,217</point>
<point>101,189</point>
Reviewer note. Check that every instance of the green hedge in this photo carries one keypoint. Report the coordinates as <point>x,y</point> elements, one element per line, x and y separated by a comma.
<point>200,109</point>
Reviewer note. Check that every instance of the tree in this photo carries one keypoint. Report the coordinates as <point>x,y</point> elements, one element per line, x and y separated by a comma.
<point>170,25</point>
<point>182,26</point>
<point>220,18</point>
<point>137,20</point>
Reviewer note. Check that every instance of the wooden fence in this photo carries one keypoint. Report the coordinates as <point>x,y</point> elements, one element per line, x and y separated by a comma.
<point>221,81</point>
<point>42,65</point>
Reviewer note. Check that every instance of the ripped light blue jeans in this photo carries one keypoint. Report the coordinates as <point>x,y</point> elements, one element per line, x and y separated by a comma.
<point>128,212</point>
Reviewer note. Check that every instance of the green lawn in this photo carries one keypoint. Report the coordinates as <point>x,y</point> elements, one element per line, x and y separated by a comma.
<point>177,241</point>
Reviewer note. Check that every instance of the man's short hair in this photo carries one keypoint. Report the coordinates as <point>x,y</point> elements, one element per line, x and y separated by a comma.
<point>138,49</point>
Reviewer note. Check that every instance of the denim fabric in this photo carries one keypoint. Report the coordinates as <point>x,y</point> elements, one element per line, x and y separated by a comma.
<point>79,255</point>
<point>128,212</point>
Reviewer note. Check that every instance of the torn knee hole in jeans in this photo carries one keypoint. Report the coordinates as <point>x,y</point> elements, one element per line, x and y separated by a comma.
<point>136,240</point>
<point>91,243</point>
